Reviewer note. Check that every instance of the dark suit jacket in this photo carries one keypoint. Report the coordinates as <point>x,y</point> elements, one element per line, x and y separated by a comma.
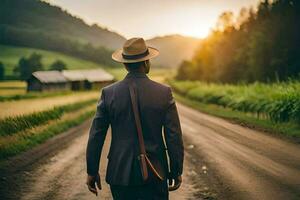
<point>157,111</point>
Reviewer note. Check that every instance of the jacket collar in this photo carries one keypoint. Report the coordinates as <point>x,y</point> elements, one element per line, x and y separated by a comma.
<point>136,75</point>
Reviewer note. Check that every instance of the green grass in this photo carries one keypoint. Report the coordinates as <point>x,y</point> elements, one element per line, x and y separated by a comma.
<point>288,129</point>
<point>279,102</point>
<point>157,74</point>
<point>35,138</point>
<point>27,106</point>
<point>10,96</point>
<point>10,55</point>
<point>12,125</point>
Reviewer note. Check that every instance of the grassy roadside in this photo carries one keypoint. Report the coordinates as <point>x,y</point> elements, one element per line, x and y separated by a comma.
<point>32,95</point>
<point>287,129</point>
<point>27,106</point>
<point>25,140</point>
<point>12,125</point>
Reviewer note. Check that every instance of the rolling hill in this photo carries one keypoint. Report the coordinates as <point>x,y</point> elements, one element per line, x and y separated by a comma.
<point>40,25</point>
<point>173,49</point>
<point>42,17</point>
<point>10,55</point>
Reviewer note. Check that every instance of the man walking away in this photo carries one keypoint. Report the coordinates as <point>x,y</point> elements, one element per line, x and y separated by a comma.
<point>137,109</point>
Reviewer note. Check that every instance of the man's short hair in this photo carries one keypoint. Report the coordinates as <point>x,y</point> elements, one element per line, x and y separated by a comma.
<point>134,65</point>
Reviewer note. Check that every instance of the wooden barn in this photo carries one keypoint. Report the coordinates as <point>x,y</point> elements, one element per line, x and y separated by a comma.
<point>47,81</point>
<point>97,78</point>
<point>76,79</point>
<point>88,79</point>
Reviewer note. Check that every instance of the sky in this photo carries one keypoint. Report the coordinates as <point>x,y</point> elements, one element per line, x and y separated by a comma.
<point>150,18</point>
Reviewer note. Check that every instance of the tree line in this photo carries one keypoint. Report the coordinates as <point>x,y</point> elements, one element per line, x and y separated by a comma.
<point>258,45</point>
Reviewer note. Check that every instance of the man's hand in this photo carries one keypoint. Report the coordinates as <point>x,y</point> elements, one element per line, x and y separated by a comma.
<point>174,183</point>
<point>92,181</point>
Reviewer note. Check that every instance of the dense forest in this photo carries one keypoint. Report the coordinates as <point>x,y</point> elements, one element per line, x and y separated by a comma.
<point>260,44</point>
<point>38,24</point>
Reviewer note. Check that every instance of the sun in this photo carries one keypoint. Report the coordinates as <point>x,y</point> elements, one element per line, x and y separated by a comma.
<point>196,29</point>
<point>199,33</point>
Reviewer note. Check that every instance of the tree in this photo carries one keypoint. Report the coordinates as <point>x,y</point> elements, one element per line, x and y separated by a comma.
<point>225,20</point>
<point>58,65</point>
<point>27,66</point>
<point>2,71</point>
<point>260,45</point>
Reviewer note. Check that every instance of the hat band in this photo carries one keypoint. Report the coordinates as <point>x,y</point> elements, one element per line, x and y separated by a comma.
<point>137,56</point>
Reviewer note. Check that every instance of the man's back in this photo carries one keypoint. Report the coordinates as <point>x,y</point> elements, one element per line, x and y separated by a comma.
<point>155,100</point>
<point>157,111</point>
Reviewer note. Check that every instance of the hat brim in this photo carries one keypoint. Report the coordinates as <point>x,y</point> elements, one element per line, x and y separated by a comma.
<point>117,56</point>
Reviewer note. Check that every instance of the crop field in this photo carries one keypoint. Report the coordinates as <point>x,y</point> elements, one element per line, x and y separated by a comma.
<point>10,88</point>
<point>28,119</point>
<point>10,55</point>
<point>16,90</point>
<point>22,132</point>
<point>279,102</point>
<point>13,108</point>
<point>11,125</point>
<point>12,85</point>
<point>12,92</point>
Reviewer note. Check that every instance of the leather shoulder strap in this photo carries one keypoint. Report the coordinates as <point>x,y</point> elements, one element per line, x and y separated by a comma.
<point>134,103</point>
<point>145,159</point>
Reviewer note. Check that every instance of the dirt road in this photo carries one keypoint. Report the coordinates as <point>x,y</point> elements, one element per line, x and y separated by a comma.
<point>223,161</point>
<point>61,174</point>
<point>246,164</point>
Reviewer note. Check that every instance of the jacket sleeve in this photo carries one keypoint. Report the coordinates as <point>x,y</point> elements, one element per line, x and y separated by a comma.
<point>173,137</point>
<point>97,136</point>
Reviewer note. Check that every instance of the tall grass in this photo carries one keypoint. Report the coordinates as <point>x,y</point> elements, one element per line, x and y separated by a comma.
<point>30,140</point>
<point>12,125</point>
<point>279,102</point>
<point>31,95</point>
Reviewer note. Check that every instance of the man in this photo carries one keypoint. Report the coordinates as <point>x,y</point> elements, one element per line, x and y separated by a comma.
<point>157,110</point>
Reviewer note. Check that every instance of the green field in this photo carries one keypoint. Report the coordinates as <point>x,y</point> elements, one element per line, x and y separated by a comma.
<point>156,74</point>
<point>10,55</point>
<point>27,122</point>
<point>275,107</point>
<point>27,131</point>
<point>26,106</point>
<point>28,119</point>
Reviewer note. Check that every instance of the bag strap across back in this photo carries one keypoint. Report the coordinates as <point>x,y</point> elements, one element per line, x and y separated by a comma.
<point>143,156</point>
<point>133,96</point>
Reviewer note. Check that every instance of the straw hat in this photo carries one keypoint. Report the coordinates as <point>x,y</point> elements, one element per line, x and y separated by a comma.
<point>134,50</point>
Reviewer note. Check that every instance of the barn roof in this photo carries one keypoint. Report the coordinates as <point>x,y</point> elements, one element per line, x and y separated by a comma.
<point>74,75</point>
<point>49,76</point>
<point>91,75</point>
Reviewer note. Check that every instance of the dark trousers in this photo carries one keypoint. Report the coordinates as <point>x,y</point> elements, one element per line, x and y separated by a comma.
<point>149,191</point>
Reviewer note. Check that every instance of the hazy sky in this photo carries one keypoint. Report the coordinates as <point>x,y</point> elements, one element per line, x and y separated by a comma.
<point>149,18</point>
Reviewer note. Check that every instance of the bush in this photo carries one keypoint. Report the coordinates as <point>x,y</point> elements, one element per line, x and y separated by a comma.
<point>280,102</point>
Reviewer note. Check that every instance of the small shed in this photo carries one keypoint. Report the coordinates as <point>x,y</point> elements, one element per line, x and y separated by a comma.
<point>76,79</point>
<point>47,81</point>
<point>88,79</point>
<point>97,78</point>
